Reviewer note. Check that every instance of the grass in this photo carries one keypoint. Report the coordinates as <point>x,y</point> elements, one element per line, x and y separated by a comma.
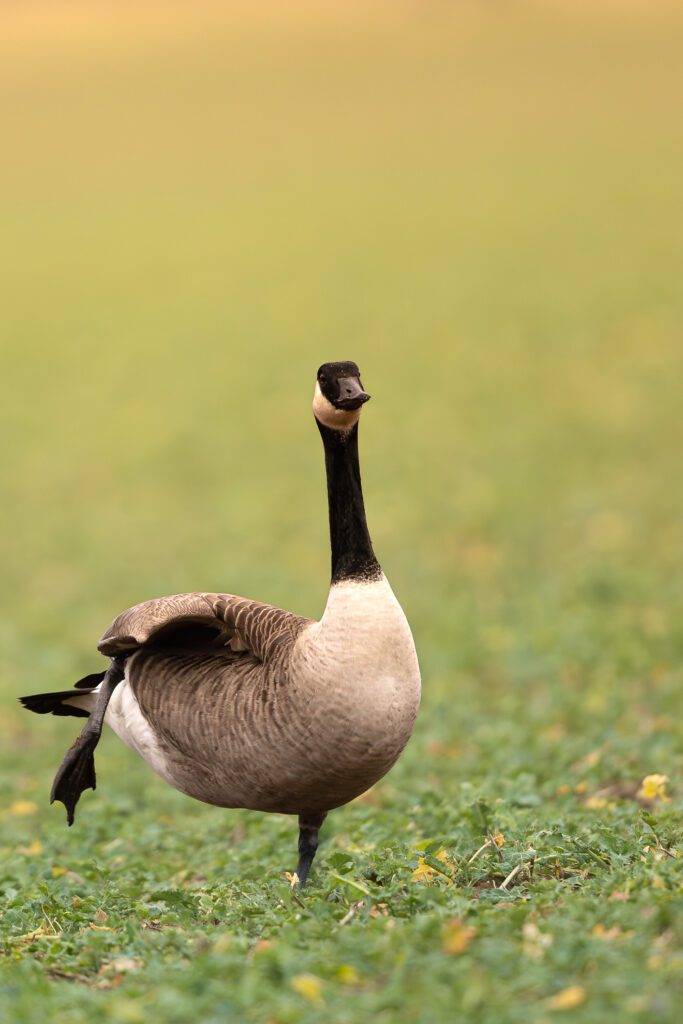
<point>479,206</point>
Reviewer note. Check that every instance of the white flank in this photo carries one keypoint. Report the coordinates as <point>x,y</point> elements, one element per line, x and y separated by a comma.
<point>130,725</point>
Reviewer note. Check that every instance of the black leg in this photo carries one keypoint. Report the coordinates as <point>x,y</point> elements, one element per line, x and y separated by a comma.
<point>309,826</point>
<point>77,770</point>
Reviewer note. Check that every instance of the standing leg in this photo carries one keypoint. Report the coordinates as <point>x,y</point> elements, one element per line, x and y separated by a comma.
<point>77,770</point>
<point>309,825</point>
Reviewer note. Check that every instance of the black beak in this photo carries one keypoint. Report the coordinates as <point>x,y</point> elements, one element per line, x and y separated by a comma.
<point>351,394</point>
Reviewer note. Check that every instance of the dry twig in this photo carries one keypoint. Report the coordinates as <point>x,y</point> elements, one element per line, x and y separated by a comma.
<point>515,871</point>
<point>480,850</point>
<point>351,912</point>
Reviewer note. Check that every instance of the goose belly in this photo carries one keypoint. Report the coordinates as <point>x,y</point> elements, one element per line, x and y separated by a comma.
<point>358,733</point>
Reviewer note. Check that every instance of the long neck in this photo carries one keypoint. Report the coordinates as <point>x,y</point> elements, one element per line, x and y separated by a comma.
<point>352,554</point>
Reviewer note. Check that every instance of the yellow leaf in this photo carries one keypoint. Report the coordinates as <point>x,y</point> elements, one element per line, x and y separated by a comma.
<point>308,986</point>
<point>600,932</point>
<point>653,787</point>
<point>347,974</point>
<point>56,871</point>
<point>425,872</point>
<point>595,803</point>
<point>32,850</point>
<point>499,839</point>
<point>457,937</point>
<point>101,916</point>
<point>22,808</point>
<point>292,878</point>
<point>567,998</point>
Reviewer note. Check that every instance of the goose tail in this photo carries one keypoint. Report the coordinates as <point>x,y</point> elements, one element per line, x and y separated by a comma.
<point>75,703</point>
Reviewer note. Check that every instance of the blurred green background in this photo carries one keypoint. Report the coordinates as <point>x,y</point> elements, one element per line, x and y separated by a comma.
<point>480,203</point>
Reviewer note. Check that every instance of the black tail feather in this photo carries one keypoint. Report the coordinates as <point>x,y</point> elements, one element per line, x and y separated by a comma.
<point>52,703</point>
<point>90,682</point>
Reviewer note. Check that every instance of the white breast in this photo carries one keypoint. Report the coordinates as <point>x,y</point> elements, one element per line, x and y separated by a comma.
<point>370,612</point>
<point>364,649</point>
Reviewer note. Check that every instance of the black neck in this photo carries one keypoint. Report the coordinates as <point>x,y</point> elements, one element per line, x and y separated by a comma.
<point>352,554</point>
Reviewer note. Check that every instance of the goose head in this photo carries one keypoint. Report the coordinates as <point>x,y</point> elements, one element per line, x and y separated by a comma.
<point>338,396</point>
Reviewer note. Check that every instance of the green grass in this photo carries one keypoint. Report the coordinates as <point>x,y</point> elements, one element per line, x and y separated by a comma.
<point>481,207</point>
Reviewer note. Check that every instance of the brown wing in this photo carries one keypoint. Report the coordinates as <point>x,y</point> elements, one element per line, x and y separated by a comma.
<point>229,621</point>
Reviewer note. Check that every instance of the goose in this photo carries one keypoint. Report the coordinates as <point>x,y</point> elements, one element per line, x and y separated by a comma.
<point>241,704</point>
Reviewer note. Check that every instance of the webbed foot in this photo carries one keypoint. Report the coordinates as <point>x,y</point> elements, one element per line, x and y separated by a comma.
<point>77,770</point>
<point>76,773</point>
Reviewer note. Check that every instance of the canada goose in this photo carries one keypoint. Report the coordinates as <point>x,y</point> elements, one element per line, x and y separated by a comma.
<point>240,704</point>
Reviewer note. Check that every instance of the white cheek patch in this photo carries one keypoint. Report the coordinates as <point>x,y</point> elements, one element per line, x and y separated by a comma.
<point>335,419</point>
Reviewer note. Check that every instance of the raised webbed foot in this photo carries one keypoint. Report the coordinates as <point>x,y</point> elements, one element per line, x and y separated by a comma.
<point>76,773</point>
<point>77,770</point>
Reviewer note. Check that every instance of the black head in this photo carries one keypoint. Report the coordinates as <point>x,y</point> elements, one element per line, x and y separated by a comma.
<point>340,385</point>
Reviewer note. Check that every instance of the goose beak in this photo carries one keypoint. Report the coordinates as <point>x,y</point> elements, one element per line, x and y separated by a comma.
<point>351,394</point>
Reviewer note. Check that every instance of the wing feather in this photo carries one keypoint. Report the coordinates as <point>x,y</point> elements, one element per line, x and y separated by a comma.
<point>235,623</point>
